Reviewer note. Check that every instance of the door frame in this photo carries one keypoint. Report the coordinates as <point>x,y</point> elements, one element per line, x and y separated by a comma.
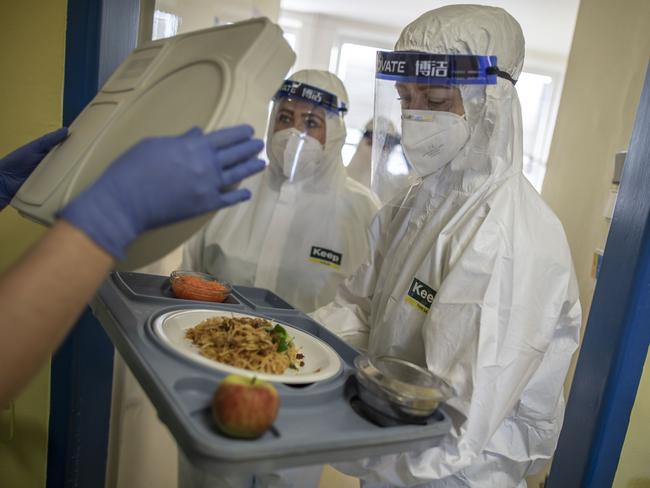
<point>99,35</point>
<point>615,343</point>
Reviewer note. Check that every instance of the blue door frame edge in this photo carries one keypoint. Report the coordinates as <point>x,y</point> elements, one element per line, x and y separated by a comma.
<point>617,335</point>
<point>99,35</point>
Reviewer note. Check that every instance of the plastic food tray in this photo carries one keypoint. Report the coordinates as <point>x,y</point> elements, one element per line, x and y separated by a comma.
<point>316,423</point>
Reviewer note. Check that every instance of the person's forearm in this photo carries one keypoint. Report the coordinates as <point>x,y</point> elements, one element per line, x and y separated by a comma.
<point>41,296</point>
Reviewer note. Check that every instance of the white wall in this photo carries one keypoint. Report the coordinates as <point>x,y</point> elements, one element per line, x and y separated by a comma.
<point>317,34</point>
<point>200,14</point>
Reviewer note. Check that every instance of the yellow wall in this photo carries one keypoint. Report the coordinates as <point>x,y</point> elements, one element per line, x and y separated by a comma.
<point>32,42</point>
<point>605,74</point>
<point>634,466</point>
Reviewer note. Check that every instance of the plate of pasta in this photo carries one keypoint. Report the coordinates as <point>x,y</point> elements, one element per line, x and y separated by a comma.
<point>244,344</point>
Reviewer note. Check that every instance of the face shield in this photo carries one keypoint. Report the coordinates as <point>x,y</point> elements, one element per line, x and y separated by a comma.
<point>435,99</point>
<point>298,128</point>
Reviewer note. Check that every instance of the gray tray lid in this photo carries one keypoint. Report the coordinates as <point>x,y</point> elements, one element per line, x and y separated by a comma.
<point>211,78</point>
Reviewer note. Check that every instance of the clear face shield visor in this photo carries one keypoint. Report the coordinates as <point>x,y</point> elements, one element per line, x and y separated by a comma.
<point>298,128</point>
<point>429,102</point>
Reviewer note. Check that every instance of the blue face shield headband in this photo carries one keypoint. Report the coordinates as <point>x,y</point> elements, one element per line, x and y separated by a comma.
<point>311,94</point>
<point>438,69</point>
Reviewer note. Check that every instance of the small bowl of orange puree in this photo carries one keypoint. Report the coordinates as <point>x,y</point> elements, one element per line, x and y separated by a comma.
<point>192,285</point>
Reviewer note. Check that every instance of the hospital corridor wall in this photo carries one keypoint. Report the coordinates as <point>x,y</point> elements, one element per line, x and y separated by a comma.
<point>67,446</point>
<point>32,67</point>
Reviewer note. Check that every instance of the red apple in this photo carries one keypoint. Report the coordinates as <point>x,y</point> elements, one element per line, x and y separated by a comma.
<point>245,407</point>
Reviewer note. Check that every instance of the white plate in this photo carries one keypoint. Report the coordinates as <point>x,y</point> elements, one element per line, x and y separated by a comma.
<point>321,361</point>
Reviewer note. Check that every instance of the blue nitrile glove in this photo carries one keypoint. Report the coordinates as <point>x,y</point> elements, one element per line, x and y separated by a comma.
<point>15,167</point>
<point>162,180</point>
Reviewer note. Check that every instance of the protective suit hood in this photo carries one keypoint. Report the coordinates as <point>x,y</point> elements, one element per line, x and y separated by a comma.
<point>467,29</point>
<point>495,147</point>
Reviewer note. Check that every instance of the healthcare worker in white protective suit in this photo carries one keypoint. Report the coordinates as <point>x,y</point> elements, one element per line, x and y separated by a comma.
<point>470,273</point>
<point>304,231</point>
<point>360,165</point>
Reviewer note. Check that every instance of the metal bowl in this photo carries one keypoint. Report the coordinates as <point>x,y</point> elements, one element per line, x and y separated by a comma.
<point>399,388</point>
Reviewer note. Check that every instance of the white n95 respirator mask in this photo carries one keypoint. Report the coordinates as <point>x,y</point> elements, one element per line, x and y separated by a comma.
<point>431,139</point>
<point>296,153</point>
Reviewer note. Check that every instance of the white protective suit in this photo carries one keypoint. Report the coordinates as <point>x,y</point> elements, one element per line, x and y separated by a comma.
<point>505,318</point>
<point>267,242</point>
<point>360,165</point>
<point>141,451</point>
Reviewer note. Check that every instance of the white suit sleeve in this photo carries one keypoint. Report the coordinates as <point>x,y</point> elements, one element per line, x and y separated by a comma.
<point>193,252</point>
<point>348,315</point>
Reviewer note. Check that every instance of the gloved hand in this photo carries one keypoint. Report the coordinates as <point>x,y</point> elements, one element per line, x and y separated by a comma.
<point>163,180</point>
<point>15,167</point>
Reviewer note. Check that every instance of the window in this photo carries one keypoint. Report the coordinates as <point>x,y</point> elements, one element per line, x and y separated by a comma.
<point>356,68</point>
<point>536,96</point>
<point>165,24</point>
<point>292,30</point>
<point>291,39</point>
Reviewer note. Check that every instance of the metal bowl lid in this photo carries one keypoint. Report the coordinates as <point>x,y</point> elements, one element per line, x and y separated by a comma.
<point>402,379</point>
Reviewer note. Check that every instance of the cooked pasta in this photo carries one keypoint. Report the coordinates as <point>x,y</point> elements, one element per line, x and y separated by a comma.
<point>249,343</point>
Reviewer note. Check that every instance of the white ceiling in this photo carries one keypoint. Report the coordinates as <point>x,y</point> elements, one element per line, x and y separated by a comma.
<point>547,24</point>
